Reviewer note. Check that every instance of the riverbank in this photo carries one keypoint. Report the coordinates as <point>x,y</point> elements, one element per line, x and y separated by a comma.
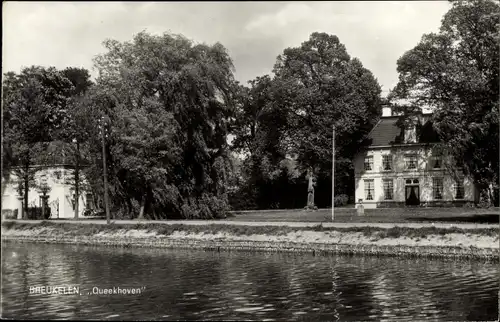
<point>394,241</point>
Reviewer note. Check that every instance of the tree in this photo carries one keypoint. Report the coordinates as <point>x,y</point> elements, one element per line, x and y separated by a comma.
<point>321,86</point>
<point>285,123</point>
<point>257,122</point>
<point>149,155</point>
<point>455,72</point>
<point>183,93</point>
<point>260,130</point>
<point>328,88</point>
<point>78,122</point>
<point>79,78</point>
<point>34,105</point>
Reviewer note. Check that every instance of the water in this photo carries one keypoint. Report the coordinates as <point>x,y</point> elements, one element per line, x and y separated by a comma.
<point>197,285</point>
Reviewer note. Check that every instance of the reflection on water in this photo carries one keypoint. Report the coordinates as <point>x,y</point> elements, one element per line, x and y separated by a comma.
<point>196,285</point>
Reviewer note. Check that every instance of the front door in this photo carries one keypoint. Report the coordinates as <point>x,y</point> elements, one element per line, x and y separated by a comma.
<point>412,195</point>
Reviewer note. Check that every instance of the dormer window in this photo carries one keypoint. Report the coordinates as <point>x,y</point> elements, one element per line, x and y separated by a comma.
<point>437,162</point>
<point>368,165</point>
<point>410,134</point>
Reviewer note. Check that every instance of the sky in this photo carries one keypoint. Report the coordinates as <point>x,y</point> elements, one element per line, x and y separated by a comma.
<point>63,34</point>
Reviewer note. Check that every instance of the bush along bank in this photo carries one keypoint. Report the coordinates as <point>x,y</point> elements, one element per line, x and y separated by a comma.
<point>396,241</point>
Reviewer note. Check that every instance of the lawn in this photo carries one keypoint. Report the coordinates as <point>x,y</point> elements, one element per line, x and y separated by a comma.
<point>388,215</point>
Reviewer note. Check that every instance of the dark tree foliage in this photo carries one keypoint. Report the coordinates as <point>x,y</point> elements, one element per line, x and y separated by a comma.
<point>171,103</point>
<point>455,72</point>
<point>34,108</point>
<point>291,116</point>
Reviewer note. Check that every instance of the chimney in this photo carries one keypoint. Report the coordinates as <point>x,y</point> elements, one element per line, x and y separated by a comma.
<point>386,111</point>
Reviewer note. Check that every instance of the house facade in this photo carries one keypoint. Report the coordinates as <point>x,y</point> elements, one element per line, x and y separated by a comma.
<point>52,181</point>
<point>402,167</point>
<point>59,192</point>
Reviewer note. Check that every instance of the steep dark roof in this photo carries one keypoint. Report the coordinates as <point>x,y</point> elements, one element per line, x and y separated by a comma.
<point>388,132</point>
<point>385,131</point>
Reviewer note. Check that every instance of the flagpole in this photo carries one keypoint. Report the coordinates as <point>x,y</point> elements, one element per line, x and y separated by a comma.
<point>333,174</point>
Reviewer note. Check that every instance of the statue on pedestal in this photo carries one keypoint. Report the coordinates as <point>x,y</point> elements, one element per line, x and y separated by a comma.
<point>310,191</point>
<point>44,189</point>
<point>360,209</point>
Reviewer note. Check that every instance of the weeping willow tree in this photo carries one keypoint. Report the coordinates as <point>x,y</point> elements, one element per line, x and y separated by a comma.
<point>169,101</point>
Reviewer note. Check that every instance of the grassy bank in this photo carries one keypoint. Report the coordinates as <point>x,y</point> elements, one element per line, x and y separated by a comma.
<point>380,215</point>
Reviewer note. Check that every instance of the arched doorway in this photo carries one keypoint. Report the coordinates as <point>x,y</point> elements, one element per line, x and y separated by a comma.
<point>412,192</point>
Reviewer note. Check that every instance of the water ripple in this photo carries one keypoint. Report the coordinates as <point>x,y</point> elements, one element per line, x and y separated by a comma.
<point>194,285</point>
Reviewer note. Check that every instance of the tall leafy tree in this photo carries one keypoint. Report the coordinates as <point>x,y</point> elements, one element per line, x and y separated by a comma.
<point>78,124</point>
<point>34,106</point>
<point>291,116</point>
<point>321,86</point>
<point>455,72</point>
<point>183,93</point>
<point>260,129</point>
<point>150,153</point>
<point>328,88</point>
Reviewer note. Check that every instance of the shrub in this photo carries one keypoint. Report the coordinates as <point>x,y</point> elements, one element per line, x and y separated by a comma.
<point>243,199</point>
<point>393,232</point>
<point>206,207</point>
<point>36,213</point>
<point>484,200</point>
<point>9,214</point>
<point>341,200</point>
<point>121,213</point>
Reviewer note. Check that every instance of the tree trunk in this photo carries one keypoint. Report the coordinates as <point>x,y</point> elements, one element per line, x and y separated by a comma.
<point>26,191</point>
<point>143,205</point>
<point>6,178</point>
<point>43,207</point>
<point>491,197</point>
<point>77,180</point>
<point>129,208</point>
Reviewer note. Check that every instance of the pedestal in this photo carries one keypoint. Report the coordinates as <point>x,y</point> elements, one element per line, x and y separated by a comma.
<point>360,208</point>
<point>310,199</point>
<point>44,206</point>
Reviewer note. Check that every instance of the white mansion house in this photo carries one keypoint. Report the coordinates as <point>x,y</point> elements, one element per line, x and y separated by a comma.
<point>400,167</point>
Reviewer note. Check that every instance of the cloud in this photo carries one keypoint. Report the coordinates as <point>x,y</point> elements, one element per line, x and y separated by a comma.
<point>65,34</point>
<point>376,32</point>
<point>291,13</point>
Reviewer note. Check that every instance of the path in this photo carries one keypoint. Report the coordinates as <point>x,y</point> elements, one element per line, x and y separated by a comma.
<point>269,223</point>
